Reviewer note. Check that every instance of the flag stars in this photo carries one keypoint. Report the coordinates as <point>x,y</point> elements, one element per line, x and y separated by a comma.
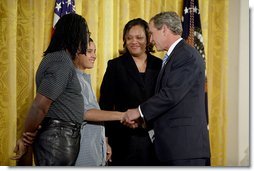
<point>195,10</point>
<point>58,6</point>
<point>68,2</point>
<point>186,10</point>
<point>199,36</point>
<point>63,7</point>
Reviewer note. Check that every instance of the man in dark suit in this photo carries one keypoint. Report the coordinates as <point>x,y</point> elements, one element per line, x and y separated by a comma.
<point>177,110</point>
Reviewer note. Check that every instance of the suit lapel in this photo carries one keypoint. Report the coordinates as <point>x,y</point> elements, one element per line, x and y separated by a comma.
<point>167,64</point>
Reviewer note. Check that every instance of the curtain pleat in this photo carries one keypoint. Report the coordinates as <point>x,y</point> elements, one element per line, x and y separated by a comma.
<point>217,76</point>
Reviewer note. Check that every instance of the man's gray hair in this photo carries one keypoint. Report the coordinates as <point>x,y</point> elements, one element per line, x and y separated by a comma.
<point>170,19</point>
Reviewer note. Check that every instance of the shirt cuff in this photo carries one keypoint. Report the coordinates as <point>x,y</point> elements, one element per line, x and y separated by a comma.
<point>141,114</point>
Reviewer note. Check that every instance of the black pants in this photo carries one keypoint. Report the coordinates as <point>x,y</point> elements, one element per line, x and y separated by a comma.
<point>57,143</point>
<point>137,150</point>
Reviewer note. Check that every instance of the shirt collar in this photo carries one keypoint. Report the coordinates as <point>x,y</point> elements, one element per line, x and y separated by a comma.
<point>79,71</point>
<point>173,46</point>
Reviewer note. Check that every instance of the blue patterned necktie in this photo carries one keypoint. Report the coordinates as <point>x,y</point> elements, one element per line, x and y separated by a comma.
<point>164,60</point>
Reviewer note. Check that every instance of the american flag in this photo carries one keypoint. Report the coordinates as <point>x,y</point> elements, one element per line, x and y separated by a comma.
<point>63,7</point>
<point>192,31</point>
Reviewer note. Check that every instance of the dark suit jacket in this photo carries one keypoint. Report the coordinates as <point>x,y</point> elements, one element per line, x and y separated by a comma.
<point>178,107</point>
<point>123,88</point>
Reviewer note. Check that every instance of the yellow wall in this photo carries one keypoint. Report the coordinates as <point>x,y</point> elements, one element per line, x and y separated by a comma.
<point>25,28</point>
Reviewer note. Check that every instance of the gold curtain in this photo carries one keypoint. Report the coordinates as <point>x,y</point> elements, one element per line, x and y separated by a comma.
<point>25,28</point>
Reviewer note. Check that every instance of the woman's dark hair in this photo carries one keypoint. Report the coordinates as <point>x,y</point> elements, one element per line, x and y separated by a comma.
<point>71,33</point>
<point>144,25</point>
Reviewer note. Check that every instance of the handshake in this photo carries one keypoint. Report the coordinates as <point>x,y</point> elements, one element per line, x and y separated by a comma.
<point>132,119</point>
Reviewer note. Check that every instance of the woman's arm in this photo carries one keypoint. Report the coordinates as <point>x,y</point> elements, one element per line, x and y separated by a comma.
<point>97,115</point>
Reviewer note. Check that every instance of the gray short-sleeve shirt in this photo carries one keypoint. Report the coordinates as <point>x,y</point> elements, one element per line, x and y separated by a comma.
<point>92,144</point>
<point>56,79</point>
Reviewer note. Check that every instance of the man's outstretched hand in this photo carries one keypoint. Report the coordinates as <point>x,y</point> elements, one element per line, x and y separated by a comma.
<point>131,118</point>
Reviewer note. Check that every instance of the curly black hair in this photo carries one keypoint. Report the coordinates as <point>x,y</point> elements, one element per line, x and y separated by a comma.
<point>71,33</point>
